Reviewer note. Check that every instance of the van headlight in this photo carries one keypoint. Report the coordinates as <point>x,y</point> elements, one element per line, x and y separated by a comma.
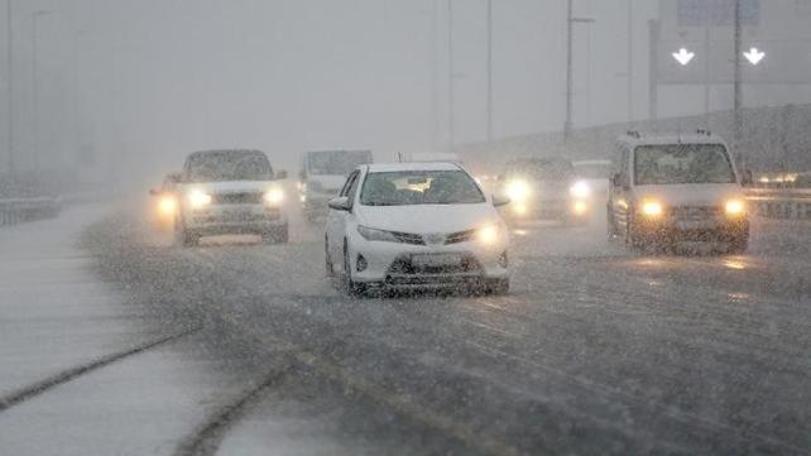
<point>517,190</point>
<point>735,207</point>
<point>199,199</point>
<point>580,190</point>
<point>651,208</point>
<point>274,196</point>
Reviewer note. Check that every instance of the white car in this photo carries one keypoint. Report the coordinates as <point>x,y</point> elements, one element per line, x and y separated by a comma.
<point>415,225</point>
<point>230,192</point>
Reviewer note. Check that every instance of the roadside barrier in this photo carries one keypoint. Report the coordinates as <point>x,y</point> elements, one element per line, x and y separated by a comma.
<point>19,210</point>
<point>781,203</point>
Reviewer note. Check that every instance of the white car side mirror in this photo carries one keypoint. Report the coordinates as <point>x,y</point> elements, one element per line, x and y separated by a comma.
<point>500,200</point>
<point>340,203</point>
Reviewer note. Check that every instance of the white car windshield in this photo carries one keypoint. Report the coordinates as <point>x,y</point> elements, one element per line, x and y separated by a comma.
<point>403,188</point>
<point>682,164</point>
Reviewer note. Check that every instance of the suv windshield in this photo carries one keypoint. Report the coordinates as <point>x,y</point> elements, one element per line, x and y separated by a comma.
<point>542,169</point>
<point>682,164</point>
<point>229,166</point>
<point>403,188</point>
<point>338,163</point>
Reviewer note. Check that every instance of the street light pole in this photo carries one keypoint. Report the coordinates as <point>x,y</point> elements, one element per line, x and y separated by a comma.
<point>489,71</point>
<point>451,101</point>
<point>35,83</point>
<point>630,68</point>
<point>10,100</point>
<point>570,21</point>
<point>567,124</point>
<point>738,88</point>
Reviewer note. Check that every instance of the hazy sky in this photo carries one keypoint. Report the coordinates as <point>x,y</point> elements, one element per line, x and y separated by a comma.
<point>160,78</point>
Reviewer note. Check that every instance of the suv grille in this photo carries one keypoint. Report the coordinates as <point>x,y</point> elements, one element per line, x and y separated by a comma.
<point>237,198</point>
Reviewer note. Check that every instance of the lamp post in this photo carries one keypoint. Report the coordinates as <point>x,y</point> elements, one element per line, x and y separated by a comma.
<point>10,100</point>
<point>35,81</point>
<point>570,21</point>
<point>489,71</point>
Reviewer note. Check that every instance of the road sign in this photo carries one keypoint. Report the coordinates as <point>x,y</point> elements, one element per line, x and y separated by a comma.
<point>775,42</point>
<point>684,57</point>
<point>702,13</point>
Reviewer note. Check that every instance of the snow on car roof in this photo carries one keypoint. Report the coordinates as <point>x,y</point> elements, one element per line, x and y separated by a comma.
<point>672,139</point>
<point>413,166</point>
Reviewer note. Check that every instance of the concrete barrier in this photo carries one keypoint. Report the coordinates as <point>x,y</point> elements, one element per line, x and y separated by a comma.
<point>781,203</point>
<point>19,210</point>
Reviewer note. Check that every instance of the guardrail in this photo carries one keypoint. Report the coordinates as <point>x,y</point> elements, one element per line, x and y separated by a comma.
<point>788,203</point>
<point>18,210</point>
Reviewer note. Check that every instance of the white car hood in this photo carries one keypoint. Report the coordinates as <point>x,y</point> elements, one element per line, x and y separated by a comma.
<point>232,186</point>
<point>427,218</point>
<point>690,194</point>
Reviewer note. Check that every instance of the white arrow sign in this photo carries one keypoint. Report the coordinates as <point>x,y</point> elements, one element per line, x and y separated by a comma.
<point>754,56</point>
<point>683,56</point>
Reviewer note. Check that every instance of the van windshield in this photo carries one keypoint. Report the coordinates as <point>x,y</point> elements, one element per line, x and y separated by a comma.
<point>337,162</point>
<point>672,164</point>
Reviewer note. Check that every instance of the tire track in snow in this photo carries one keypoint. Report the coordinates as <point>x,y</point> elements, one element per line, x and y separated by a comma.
<point>35,389</point>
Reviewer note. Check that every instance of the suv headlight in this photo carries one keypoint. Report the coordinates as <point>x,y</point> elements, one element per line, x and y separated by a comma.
<point>580,190</point>
<point>199,199</point>
<point>274,196</point>
<point>517,190</point>
<point>373,234</point>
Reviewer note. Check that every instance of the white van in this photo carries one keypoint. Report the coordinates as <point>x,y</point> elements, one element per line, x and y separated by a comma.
<point>673,188</point>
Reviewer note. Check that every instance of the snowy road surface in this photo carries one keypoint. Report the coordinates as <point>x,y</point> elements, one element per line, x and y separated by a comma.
<point>597,350</point>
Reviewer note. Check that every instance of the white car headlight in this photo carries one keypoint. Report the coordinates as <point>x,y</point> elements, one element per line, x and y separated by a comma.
<point>580,190</point>
<point>199,199</point>
<point>274,196</point>
<point>517,190</point>
<point>373,234</point>
<point>489,234</point>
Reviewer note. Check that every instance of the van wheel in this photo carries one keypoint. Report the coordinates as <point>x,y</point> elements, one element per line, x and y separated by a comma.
<point>611,229</point>
<point>632,240</point>
<point>278,235</point>
<point>498,287</point>
<point>184,237</point>
<point>739,245</point>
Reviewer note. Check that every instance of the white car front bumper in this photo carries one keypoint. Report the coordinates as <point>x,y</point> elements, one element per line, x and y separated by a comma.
<point>401,264</point>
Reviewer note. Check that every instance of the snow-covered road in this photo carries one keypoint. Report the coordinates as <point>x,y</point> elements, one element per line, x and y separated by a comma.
<point>598,350</point>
